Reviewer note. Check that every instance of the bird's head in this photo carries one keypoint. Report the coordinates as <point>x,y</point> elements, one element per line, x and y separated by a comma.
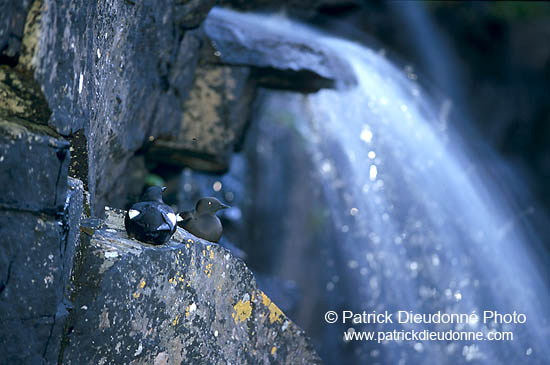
<point>209,205</point>
<point>153,193</point>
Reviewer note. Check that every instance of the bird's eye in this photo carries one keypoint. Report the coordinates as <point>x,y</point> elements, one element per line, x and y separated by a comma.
<point>209,203</point>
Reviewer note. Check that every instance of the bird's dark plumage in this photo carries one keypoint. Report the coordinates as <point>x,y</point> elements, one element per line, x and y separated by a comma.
<point>151,220</point>
<point>203,222</point>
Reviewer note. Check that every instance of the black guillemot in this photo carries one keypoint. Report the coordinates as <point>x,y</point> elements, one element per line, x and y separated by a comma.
<point>151,220</point>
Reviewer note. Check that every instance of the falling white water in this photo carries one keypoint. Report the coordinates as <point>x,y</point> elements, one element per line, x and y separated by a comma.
<point>417,227</point>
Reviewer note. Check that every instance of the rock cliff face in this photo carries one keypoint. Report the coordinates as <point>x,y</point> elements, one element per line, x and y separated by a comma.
<point>118,71</point>
<point>185,302</point>
<point>36,260</point>
<point>84,89</point>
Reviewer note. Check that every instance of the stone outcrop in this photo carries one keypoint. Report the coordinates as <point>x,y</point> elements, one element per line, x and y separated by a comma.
<point>184,302</point>
<point>238,54</point>
<point>282,58</point>
<point>117,72</point>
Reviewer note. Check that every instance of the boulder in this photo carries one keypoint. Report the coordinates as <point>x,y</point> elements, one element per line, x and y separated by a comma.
<point>183,302</point>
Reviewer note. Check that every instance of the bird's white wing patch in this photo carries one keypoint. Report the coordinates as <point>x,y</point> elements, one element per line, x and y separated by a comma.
<point>163,227</point>
<point>178,218</point>
<point>132,213</point>
<point>172,218</point>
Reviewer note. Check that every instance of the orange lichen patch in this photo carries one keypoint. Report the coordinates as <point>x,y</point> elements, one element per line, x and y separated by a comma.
<point>243,311</point>
<point>275,313</point>
<point>273,350</point>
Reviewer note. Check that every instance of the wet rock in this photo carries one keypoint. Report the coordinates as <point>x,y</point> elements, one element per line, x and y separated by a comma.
<point>34,163</point>
<point>276,52</point>
<point>35,266</point>
<point>185,302</point>
<point>214,117</point>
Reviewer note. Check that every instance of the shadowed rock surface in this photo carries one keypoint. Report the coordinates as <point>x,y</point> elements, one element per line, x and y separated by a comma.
<point>214,118</point>
<point>185,302</point>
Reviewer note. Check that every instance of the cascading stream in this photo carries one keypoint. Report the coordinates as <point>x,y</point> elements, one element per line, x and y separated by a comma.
<point>373,204</point>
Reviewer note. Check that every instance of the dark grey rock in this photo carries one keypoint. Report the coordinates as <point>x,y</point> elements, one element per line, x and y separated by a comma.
<point>276,49</point>
<point>190,301</point>
<point>33,166</point>
<point>35,265</point>
<point>118,72</point>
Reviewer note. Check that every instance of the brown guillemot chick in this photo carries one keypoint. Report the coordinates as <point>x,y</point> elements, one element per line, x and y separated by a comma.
<point>203,222</point>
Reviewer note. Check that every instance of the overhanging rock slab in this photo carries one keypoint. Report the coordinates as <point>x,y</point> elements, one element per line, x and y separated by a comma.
<point>189,301</point>
<point>276,50</point>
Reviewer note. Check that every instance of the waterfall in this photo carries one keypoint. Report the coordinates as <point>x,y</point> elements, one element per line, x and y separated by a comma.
<point>365,196</point>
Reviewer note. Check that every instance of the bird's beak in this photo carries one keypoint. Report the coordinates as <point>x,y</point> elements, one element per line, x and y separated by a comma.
<point>223,206</point>
<point>163,188</point>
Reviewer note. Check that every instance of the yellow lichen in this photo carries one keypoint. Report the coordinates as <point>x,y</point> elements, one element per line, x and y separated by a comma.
<point>136,295</point>
<point>275,313</point>
<point>273,350</point>
<point>243,311</point>
<point>142,283</point>
<point>176,321</point>
<point>208,270</point>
